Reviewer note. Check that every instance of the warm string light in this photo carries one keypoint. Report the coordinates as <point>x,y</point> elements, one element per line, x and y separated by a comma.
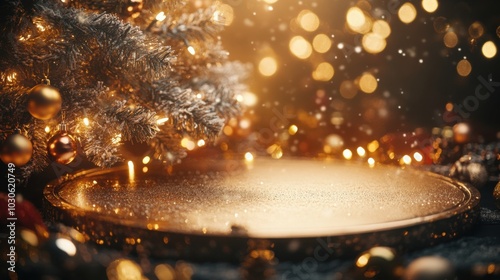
<point>159,18</point>
<point>131,171</point>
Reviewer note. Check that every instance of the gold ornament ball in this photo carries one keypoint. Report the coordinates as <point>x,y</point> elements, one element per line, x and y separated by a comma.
<point>62,148</point>
<point>44,102</point>
<point>16,149</point>
<point>496,195</point>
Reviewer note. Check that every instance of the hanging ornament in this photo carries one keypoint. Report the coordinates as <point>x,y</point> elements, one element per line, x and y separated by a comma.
<point>132,8</point>
<point>44,101</point>
<point>16,149</point>
<point>496,195</point>
<point>470,168</point>
<point>62,146</point>
<point>378,263</point>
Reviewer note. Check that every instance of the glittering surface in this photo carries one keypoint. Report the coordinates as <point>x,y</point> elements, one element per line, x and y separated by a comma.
<point>289,198</point>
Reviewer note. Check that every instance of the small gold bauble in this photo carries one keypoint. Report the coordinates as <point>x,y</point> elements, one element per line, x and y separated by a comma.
<point>44,102</point>
<point>496,195</point>
<point>16,149</point>
<point>62,147</point>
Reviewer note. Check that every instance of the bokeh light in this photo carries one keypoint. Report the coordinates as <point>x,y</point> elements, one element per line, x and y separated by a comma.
<point>450,39</point>
<point>348,89</point>
<point>381,28</point>
<point>368,83</point>
<point>300,47</point>
<point>430,6</point>
<point>268,66</point>
<point>324,72</point>
<point>347,154</point>
<point>476,30</point>
<point>308,20</point>
<point>489,49</point>
<point>464,68</point>
<point>407,13</point>
<point>322,43</point>
<point>373,43</point>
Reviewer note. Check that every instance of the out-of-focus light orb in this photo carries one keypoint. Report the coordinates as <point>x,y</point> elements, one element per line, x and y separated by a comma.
<point>406,159</point>
<point>347,154</point>
<point>249,98</point>
<point>418,156</point>
<point>430,6</point>
<point>275,150</point>
<point>268,66</point>
<point>337,118</point>
<point>464,68</point>
<point>308,20</point>
<point>334,141</point>
<point>66,245</point>
<point>368,83</point>
<point>123,269</point>
<point>249,156</point>
<point>371,162</point>
<point>270,1</point>
<point>300,47</point>
<point>373,146</point>
<point>489,49</point>
<point>322,43</point>
<point>450,39</point>
<point>382,28</point>
<point>361,151</point>
<point>191,50</point>
<point>146,160</point>
<point>373,43</point>
<point>324,72</point>
<point>164,272</point>
<point>441,25</point>
<point>407,13</point>
<point>476,30</point>
<point>355,18</point>
<point>293,129</point>
<point>348,89</point>
<point>201,143</point>
<point>224,14</point>
<point>358,21</point>
<point>449,107</point>
<point>189,144</point>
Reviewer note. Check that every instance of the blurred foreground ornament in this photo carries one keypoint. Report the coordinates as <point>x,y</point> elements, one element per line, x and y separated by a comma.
<point>470,169</point>
<point>430,268</point>
<point>44,101</point>
<point>496,195</point>
<point>378,263</point>
<point>16,149</point>
<point>62,147</point>
<point>28,217</point>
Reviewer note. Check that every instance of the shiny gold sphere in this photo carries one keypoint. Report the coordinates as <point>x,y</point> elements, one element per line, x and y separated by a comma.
<point>44,102</point>
<point>62,148</point>
<point>16,149</point>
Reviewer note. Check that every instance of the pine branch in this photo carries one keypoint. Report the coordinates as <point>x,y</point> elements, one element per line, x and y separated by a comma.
<point>101,143</point>
<point>194,26</point>
<point>136,124</point>
<point>166,146</point>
